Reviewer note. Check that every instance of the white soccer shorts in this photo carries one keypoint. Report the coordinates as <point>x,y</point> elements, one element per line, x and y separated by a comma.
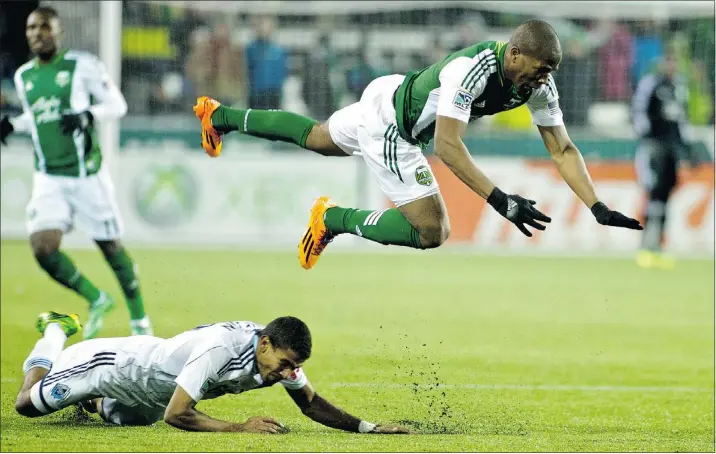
<point>368,127</point>
<point>56,201</point>
<point>98,368</point>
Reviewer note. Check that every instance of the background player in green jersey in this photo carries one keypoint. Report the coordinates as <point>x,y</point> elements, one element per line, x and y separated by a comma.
<point>71,181</point>
<point>395,119</point>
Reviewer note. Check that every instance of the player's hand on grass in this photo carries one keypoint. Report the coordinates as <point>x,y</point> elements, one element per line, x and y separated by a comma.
<point>391,429</point>
<point>5,129</point>
<point>518,210</point>
<point>73,121</point>
<point>262,424</point>
<point>605,216</point>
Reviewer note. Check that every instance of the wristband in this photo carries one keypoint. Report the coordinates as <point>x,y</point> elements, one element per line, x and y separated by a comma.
<point>365,427</point>
<point>496,198</point>
<point>598,207</point>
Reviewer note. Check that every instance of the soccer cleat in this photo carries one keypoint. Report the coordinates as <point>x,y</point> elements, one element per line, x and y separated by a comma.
<point>210,137</point>
<point>141,327</point>
<point>97,311</point>
<point>646,259</point>
<point>70,323</point>
<point>317,236</point>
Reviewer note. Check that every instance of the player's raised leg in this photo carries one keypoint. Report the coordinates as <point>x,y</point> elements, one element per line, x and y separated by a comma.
<point>276,125</point>
<point>125,269</point>
<point>55,329</point>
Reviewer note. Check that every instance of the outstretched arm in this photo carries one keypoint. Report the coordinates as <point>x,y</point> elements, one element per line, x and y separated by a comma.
<point>182,414</point>
<point>570,164</point>
<point>323,412</point>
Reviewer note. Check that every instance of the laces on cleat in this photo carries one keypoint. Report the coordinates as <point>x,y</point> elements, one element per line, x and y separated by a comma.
<point>325,239</point>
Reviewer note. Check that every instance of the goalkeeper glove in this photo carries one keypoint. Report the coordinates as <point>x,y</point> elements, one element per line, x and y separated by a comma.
<point>605,216</point>
<point>74,121</point>
<point>518,210</point>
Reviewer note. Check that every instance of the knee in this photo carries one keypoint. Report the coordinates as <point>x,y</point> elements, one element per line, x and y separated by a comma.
<point>434,234</point>
<point>24,407</point>
<point>43,246</point>
<point>109,248</point>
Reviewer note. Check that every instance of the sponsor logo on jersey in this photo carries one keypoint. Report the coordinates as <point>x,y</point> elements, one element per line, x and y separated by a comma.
<point>62,78</point>
<point>60,392</point>
<point>46,110</point>
<point>423,176</point>
<point>463,100</point>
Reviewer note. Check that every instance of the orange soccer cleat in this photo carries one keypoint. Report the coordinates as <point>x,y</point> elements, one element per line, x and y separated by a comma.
<point>210,137</point>
<point>317,236</point>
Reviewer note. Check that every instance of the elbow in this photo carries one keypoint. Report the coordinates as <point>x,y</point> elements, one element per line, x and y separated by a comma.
<point>176,420</point>
<point>444,148</point>
<point>559,154</point>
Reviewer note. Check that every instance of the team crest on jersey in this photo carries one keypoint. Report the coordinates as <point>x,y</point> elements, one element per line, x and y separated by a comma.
<point>423,176</point>
<point>60,392</point>
<point>463,100</point>
<point>62,78</point>
<point>29,85</point>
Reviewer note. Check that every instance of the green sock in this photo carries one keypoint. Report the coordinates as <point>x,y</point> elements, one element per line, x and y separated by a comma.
<point>266,124</point>
<point>125,270</point>
<point>387,226</point>
<point>61,269</point>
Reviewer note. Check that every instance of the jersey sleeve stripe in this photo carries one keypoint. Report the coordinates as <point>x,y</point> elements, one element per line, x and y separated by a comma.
<point>488,68</point>
<point>483,56</point>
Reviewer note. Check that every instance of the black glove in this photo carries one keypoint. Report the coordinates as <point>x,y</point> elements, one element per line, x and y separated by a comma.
<point>605,216</point>
<point>517,210</point>
<point>72,122</point>
<point>5,129</point>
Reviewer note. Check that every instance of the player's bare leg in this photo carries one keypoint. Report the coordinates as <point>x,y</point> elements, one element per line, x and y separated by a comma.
<point>126,272</point>
<point>55,329</point>
<point>430,218</point>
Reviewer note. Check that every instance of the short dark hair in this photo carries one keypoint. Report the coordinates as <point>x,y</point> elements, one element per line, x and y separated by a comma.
<point>289,333</point>
<point>537,39</point>
<point>47,11</point>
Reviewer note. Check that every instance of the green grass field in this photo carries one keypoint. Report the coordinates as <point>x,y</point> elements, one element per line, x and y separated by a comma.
<point>477,353</point>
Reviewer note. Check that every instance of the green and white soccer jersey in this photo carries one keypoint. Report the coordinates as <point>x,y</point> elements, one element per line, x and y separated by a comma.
<point>466,85</point>
<point>70,180</point>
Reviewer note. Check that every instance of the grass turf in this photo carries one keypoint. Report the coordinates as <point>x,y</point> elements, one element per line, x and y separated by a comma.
<point>476,353</point>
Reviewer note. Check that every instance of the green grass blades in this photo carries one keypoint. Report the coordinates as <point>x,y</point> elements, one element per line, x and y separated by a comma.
<point>475,353</point>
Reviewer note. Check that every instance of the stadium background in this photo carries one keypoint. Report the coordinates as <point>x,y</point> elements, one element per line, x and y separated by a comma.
<point>167,52</point>
<point>484,353</point>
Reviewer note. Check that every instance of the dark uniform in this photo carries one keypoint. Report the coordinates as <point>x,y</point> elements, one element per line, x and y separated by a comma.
<point>659,116</point>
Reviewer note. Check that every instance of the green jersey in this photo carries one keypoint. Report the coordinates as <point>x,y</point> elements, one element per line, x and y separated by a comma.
<point>467,84</point>
<point>67,84</point>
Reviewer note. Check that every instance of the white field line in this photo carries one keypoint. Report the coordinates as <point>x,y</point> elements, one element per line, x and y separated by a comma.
<point>497,387</point>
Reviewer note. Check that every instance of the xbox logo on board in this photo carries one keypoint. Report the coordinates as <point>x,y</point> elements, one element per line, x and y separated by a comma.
<point>165,195</point>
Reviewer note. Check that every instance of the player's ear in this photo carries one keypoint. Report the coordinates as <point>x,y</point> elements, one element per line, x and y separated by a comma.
<point>264,343</point>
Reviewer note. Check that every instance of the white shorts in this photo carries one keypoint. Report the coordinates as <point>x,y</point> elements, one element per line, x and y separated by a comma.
<point>368,127</point>
<point>100,368</point>
<point>57,200</point>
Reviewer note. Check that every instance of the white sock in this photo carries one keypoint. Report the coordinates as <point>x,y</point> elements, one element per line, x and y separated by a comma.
<point>46,349</point>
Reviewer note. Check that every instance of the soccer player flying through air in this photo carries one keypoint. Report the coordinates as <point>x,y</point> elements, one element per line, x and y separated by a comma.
<point>143,379</point>
<point>395,119</point>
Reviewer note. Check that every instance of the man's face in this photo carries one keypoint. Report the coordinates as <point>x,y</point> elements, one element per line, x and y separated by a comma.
<point>42,33</point>
<point>528,73</point>
<point>671,66</point>
<point>275,364</point>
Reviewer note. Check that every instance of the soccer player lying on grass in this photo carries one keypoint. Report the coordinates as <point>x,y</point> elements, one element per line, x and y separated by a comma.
<point>399,115</point>
<point>142,379</point>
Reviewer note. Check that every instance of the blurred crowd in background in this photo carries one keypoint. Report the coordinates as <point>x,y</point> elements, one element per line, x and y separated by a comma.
<point>172,53</point>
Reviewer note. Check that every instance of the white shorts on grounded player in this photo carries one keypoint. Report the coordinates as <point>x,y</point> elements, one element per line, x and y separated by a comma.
<point>102,367</point>
<point>368,127</point>
<point>58,201</point>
